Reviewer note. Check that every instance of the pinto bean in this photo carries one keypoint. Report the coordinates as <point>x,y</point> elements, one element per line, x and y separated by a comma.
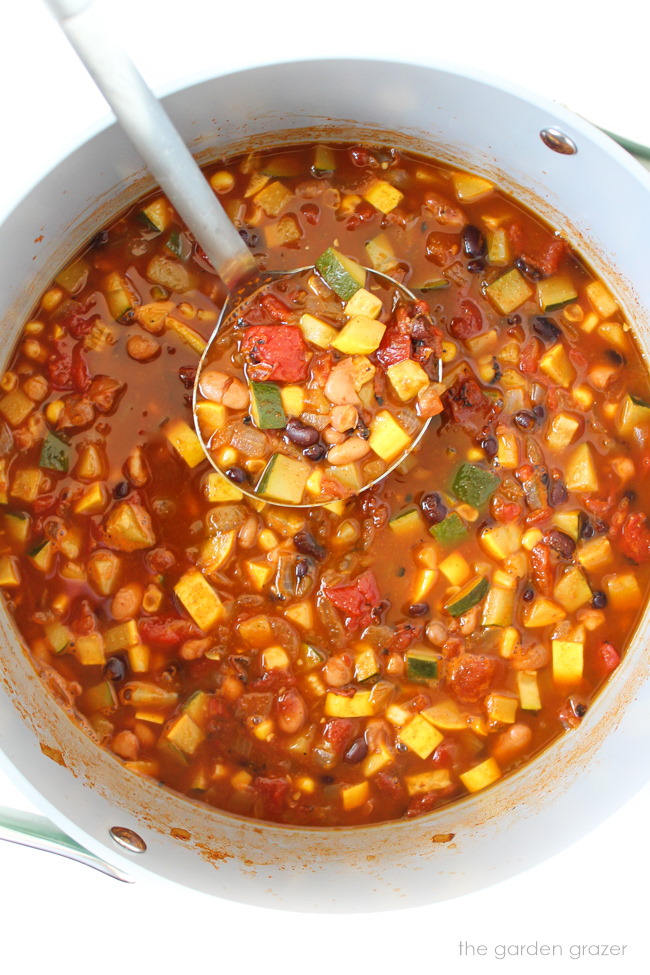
<point>344,418</point>
<point>221,388</point>
<point>339,387</point>
<point>332,436</point>
<point>127,601</point>
<point>127,745</point>
<point>142,348</point>
<point>531,658</point>
<point>337,671</point>
<point>354,448</point>
<point>511,743</point>
<point>292,712</point>
<point>248,532</point>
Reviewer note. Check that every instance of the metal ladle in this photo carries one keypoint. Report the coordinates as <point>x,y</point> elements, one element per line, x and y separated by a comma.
<point>173,167</point>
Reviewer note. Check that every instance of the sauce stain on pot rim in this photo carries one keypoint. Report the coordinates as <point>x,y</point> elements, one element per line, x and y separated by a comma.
<point>476,814</point>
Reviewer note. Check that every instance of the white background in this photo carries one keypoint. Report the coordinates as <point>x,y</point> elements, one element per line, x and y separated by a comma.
<point>57,916</point>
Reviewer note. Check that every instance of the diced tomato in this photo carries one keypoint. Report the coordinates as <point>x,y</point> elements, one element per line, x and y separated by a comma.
<point>361,156</point>
<point>466,404</point>
<point>276,352</point>
<point>59,367</point>
<point>168,630</point>
<point>515,234</point>
<point>358,600</point>
<point>395,347</point>
<point>606,659</point>
<point>442,248</point>
<point>469,323</point>
<point>404,637</point>
<point>427,343</point>
<point>79,372</point>
<point>272,795</point>
<point>276,309</point>
<point>541,568</point>
<point>504,511</point>
<point>578,358</point>
<point>469,676</point>
<point>530,355</point>
<point>338,733</point>
<point>635,538</point>
<point>71,317</point>
<point>390,785</point>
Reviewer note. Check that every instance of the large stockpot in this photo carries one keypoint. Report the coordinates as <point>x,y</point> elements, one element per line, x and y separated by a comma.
<point>600,198</point>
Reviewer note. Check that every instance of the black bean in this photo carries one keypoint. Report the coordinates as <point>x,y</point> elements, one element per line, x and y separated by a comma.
<point>525,420</point>
<point>100,239</point>
<point>357,751</point>
<point>598,599</point>
<point>539,412</point>
<point>121,489</point>
<point>476,266</point>
<point>513,320</point>
<point>433,508</point>
<point>237,474</point>
<point>580,710</point>
<point>491,446</point>
<point>558,494</point>
<point>115,669</point>
<point>363,429</point>
<point>316,452</point>
<point>614,357</point>
<point>301,433</point>
<point>307,545</point>
<point>546,329</point>
<point>527,595</point>
<point>417,609</point>
<point>630,496</point>
<point>528,269</point>
<point>561,543</point>
<point>302,568</point>
<point>187,375</point>
<point>249,238</point>
<point>587,529</point>
<point>473,241</point>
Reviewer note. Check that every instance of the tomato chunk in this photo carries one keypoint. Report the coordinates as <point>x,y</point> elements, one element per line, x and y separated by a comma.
<point>358,600</point>
<point>276,352</point>
<point>469,676</point>
<point>635,539</point>
<point>607,659</point>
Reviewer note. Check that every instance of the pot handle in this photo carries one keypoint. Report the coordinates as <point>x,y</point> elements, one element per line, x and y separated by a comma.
<point>37,832</point>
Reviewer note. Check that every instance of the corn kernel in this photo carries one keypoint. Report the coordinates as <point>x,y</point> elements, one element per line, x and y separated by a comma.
<point>241,780</point>
<point>227,456</point>
<point>9,381</point>
<point>449,351</point>
<point>54,410</point>
<point>264,730</point>
<point>34,328</point>
<point>267,539</point>
<point>186,309</point>
<point>573,313</point>
<point>222,181</point>
<point>475,453</point>
<point>52,298</point>
<point>531,538</point>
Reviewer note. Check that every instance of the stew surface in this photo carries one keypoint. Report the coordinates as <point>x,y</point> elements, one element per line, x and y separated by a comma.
<point>378,656</point>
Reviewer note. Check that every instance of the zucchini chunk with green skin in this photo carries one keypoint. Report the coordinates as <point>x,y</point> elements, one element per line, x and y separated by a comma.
<point>156,215</point>
<point>283,479</point>
<point>267,410</point>
<point>634,412</point>
<point>474,485</point>
<point>422,664</point>
<point>55,454</point>
<point>450,530</point>
<point>469,596</point>
<point>343,275</point>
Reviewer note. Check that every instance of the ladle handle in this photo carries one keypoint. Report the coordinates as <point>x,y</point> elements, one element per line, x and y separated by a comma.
<point>150,129</point>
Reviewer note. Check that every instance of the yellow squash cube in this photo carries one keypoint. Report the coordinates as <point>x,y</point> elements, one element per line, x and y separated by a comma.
<point>387,438</point>
<point>481,775</point>
<point>581,473</point>
<point>557,366</point>
<point>407,378</point>
<point>200,599</point>
<point>364,303</point>
<point>361,335</point>
<point>567,661</point>
<point>354,796</point>
<point>420,736</point>
<point>383,195</point>
<point>185,442</point>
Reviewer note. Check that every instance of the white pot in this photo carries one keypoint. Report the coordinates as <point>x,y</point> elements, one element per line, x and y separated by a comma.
<point>600,198</point>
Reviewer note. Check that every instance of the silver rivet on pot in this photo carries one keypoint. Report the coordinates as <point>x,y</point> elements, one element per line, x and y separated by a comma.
<point>556,140</point>
<point>128,839</point>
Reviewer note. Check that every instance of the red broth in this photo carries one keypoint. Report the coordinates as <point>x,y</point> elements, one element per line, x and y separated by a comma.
<point>370,659</point>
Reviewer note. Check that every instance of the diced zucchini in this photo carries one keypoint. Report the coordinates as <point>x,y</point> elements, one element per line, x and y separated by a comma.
<point>600,299</point>
<point>156,215</point>
<point>25,484</point>
<point>407,522</point>
<point>343,275</point>
<point>310,657</point>
<point>91,464</point>
<point>59,637</point>
<point>450,530</point>
<point>420,736</point>
<point>260,572</point>
<point>474,485</point>
<point>119,297</point>
<point>101,697</point>
<point>360,705</point>
<point>425,580</point>
<point>567,661</point>
<point>185,734</point>
<point>595,554</point>
<point>499,607</point>
<point>324,160</point>
<point>528,690</point>
<point>170,274</point>
<point>283,165</point>
<point>469,188</point>
<point>286,231</point>
<point>446,715</point>
<point>266,406</point>
<point>376,760</point>
<point>284,479</point>
<point>542,612</point>
<point>501,541</point>
<point>562,430</point>
<point>121,637</point>
<point>211,417</point>
<point>572,589</point>
<point>387,438</point>
<point>498,248</point>
<point>383,196</point>
<point>422,664</point>
<point>184,440</point>
<point>89,649</point>
<point>381,253</point>
<point>508,450</point>
<point>555,363</point>
<point>469,596</point>
<point>360,335</point>
<point>481,775</point>
<point>200,599</point>
<point>502,708</point>
<point>455,568</point>
<point>424,782</point>
<point>354,796</point>
<point>273,197</point>
<point>216,550</point>
<point>302,614</point>
<point>634,412</point>
<point>623,591</point>
<point>293,400</point>
<point>42,556</point>
<point>74,276</point>
<point>581,475</point>
<point>17,526</point>
<point>16,407</point>
<point>366,665</point>
<point>569,522</point>
<point>197,707</point>
<point>128,527</point>
<point>364,303</point>
<point>407,378</point>
<point>509,292</point>
<point>188,335</point>
<point>553,293</point>
<point>103,571</point>
<point>316,331</point>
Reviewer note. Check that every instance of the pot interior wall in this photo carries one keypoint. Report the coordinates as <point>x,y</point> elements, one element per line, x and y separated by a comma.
<point>474,126</point>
